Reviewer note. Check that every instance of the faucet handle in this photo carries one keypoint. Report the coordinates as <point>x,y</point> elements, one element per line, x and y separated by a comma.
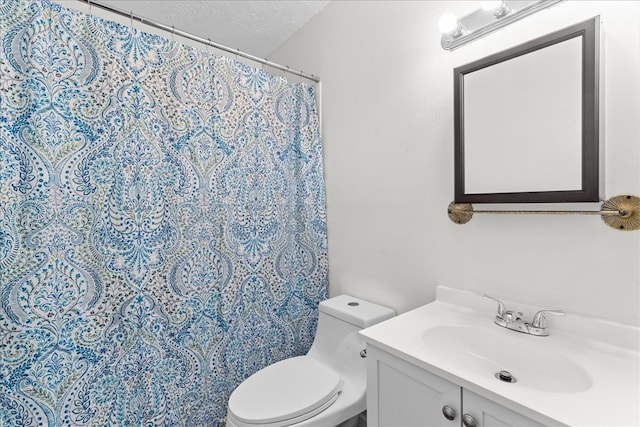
<point>501,309</point>
<point>539,321</point>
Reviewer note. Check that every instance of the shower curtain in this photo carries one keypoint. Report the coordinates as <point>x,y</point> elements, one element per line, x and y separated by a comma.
<point>162,223</point>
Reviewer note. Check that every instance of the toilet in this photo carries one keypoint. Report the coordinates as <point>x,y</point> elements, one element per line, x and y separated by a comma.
<point>324,388</point>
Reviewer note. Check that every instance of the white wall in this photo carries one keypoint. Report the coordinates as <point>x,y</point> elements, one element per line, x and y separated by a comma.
<point>387,104</point>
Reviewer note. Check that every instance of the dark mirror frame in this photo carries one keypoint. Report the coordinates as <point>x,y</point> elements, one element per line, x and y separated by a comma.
<point>591,180</point>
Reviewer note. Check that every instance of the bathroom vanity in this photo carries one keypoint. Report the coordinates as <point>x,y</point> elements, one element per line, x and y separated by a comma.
<point>448,364</point>
<point>405,395</point>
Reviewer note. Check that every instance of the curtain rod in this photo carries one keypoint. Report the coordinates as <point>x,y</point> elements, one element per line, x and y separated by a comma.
<point>199,39</point>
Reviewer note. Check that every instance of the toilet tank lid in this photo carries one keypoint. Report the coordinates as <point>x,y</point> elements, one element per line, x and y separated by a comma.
<point>356,311</point>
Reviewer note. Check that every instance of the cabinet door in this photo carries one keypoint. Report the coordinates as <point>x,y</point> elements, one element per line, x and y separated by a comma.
<point>402,395</point>
<point>489,414</point>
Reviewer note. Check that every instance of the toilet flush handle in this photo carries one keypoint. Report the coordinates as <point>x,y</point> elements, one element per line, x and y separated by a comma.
<point>363,353</point>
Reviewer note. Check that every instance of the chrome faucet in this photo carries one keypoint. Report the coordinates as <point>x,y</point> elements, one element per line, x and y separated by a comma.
<point>513,320</point>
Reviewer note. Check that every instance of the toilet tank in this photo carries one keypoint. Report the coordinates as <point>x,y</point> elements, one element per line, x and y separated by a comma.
<point>336,342</point>
<point>355,311</point>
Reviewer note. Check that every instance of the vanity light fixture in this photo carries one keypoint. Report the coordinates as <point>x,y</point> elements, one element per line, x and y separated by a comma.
<point>491,16</point>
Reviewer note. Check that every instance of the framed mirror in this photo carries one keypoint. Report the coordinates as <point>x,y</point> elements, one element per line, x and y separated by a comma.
<point>527,121</point>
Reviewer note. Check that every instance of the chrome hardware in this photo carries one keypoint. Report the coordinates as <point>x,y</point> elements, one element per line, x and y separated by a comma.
<point>539,324</point>
<point>513,319</point>
<point>363,353</point>
<point>469,421</point>
<point>539,321</point>
<point>505,376</point>
<point>510,316</point>
<point>449,413</point>
<point>501,309</point>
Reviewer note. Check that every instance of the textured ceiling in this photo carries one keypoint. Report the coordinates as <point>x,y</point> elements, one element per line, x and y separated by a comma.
<point>254,27</point>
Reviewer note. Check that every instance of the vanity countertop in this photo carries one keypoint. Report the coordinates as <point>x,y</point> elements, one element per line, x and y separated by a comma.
<point>599,359</point>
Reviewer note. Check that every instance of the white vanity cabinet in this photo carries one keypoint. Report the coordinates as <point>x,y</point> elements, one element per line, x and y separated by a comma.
<point>445,355</point>
<point>490,414</point>
<point>400,394</point>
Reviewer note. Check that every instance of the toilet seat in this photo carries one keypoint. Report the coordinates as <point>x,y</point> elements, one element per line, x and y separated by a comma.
<point>285,393</point>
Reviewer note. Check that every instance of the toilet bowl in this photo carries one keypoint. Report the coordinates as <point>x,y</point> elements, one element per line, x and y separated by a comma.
<point>324,388</point>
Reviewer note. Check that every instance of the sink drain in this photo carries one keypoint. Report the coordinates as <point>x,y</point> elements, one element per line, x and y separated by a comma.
<point>505,376</point>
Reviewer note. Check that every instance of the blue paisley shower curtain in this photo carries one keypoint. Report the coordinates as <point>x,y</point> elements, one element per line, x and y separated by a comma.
<point>162,223</point>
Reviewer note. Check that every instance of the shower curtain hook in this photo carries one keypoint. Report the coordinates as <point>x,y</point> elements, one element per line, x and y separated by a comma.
<point>209,45</point>
<point>173,33</point>
<point>264,64</point>
<point>89,1</point>
<point>131,17</point>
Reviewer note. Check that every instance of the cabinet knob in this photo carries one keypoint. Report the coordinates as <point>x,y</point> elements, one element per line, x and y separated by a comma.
<point>449,413</point>
<point>469,421</point>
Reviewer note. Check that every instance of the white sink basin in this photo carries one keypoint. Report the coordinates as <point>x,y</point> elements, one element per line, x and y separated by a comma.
<point>529,359</point>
